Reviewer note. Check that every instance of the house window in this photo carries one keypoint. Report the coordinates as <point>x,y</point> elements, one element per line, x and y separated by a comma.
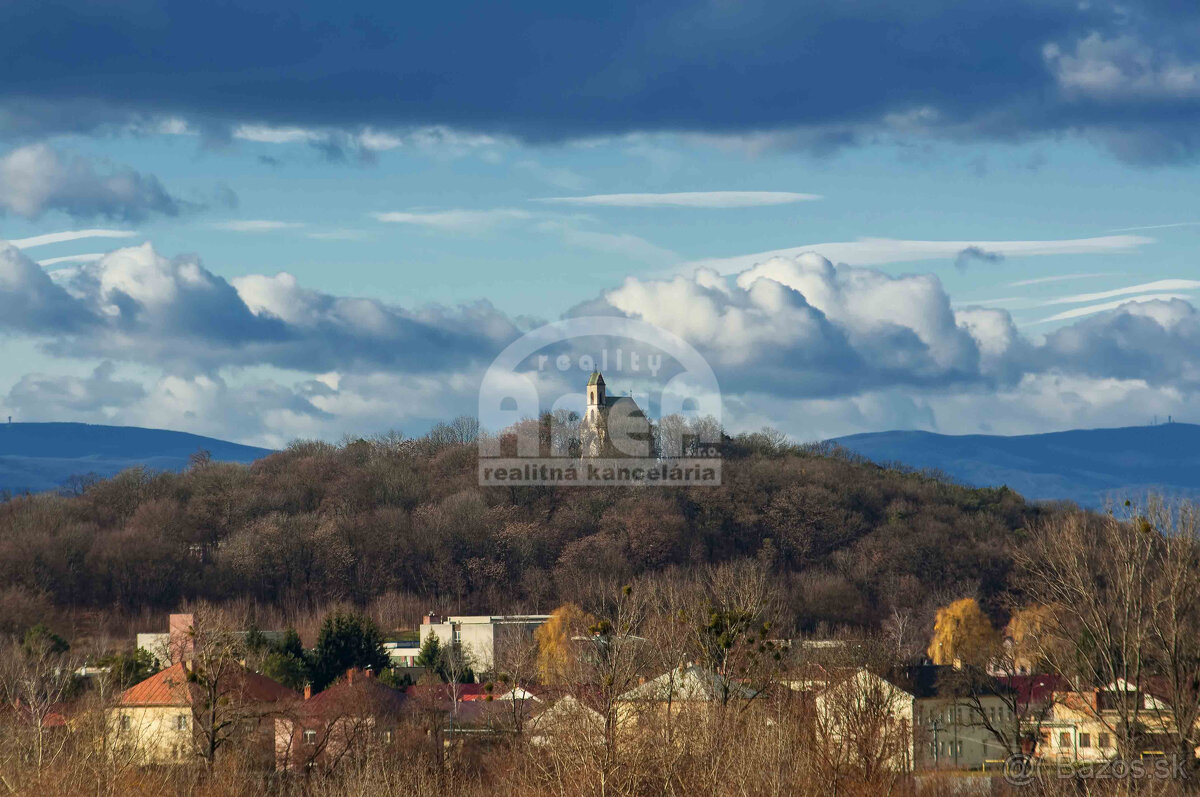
<point>181,722</point>
<point>1064,739</point>
<point>1105,742</point>
<point>387,737</point>
<point>1085,740</point>
<point>124,722</point>
<point>310,737</point>
<point>960,748</point>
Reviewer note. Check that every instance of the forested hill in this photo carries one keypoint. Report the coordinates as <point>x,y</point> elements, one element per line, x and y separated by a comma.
<point>45,456</point>
<point>847,540</point>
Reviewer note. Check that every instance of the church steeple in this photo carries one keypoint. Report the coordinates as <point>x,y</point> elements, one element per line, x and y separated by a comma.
<point>595,390</point>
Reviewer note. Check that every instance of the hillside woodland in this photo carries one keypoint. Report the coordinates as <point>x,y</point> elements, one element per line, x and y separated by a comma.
<point>402,526</point>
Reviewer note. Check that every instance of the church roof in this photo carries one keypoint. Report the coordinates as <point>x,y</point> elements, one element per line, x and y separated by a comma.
<point>596,378</point>
<point>612,401</point>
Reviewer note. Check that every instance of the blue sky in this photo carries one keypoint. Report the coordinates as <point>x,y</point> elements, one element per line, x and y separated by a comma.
<point>348,211</point>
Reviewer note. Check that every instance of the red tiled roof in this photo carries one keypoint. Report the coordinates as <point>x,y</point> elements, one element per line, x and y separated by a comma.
<point>442,693</point>
<point>1036,689</point>
<point>360,697</point>
<point>171,688</point>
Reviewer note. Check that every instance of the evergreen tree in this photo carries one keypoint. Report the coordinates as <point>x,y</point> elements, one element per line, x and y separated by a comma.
<point>346,640</point>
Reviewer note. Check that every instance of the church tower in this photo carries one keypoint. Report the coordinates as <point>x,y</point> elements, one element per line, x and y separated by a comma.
<point>595,390</point>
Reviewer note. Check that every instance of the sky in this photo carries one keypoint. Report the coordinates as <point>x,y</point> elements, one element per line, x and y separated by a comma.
<point>267,221</point>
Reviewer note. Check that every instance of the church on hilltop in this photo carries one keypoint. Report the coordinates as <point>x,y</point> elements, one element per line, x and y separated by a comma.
<point>613,426</point>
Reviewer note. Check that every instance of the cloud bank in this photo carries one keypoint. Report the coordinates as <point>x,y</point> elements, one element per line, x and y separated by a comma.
<point>818,348</point>
<point>364,75</point>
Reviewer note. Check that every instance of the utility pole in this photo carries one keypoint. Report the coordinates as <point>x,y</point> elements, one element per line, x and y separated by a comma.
<point>955,750</point>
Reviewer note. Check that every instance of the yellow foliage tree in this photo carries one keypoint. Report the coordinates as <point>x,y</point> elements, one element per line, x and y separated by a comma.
<point>1027,629</point>
<point>554,641</point>
<point>962,633</point>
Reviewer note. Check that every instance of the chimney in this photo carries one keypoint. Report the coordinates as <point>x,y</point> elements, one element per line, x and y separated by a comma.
<point>368,672</point>
<point>432,619</point>
<point>180,644</point>
<point>350,675</point>
<point>307,691</point>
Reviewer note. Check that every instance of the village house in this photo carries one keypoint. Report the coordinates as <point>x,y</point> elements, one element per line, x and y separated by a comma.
<point>570,720</point>
<point>161,720</point>
<point>678,694</point>
<point>949,731</point>
<point>866,716</point>
<point>357,711</point>
<point>1082,725</point>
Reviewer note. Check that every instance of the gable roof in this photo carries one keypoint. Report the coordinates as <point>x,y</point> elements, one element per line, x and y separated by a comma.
<point>363,696</point>
<point>688,683</point>
<point>171,687</point>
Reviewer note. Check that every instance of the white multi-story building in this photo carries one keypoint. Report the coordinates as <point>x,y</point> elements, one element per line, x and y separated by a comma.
<point>483,637</point>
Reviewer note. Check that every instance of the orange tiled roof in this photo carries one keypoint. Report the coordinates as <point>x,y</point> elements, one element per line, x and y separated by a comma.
<point>171,688</point>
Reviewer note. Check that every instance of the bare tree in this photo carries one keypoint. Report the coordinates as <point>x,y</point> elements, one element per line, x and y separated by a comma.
<point>1174,639</point>
<point>225,708</point>
<point>516,672</point>
<point>37,676</point>
<point>1123,594</point>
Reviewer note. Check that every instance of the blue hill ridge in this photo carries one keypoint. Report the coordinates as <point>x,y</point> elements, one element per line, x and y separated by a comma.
<point>1091,467</point>
<point>44,456</point>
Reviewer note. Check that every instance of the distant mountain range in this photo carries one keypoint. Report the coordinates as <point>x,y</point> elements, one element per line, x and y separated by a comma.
<point>1087,466</point>
<point>44,456</point>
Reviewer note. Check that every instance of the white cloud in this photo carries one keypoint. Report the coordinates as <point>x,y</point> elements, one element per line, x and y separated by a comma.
<point>435,141</point>
<point>69,235</point>
<point>1058,278</point>
<point>686,199</point>
<point>1121,67</point>
<point>1158,226</point>
<point>265,134</point>
<point>256,225</point>
<point>1080,312</point>
<point>806,327</point>
<point>456,220</point>
<point>878,251</point>
<point>377,141</point>
<point>90,257</point>
<point>1145,287</point>
<point>36,178</point>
